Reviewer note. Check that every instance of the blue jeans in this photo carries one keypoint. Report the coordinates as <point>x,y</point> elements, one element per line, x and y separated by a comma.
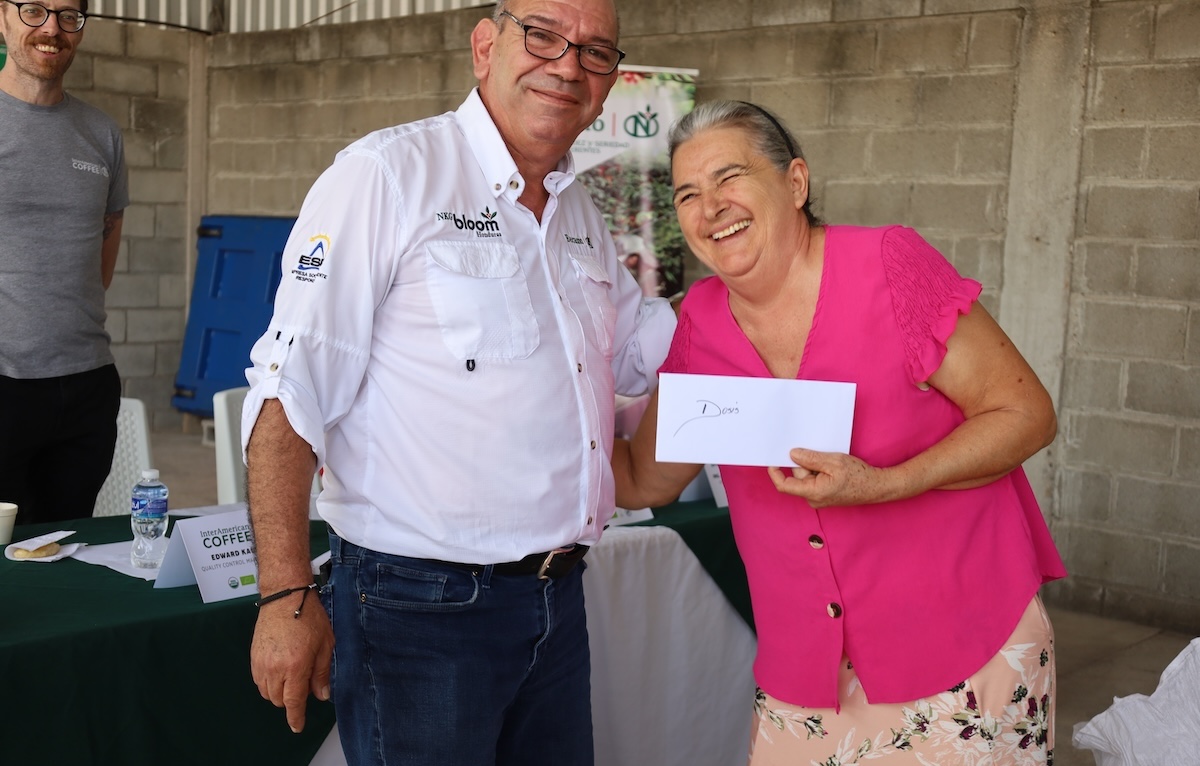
<point>439,665</point>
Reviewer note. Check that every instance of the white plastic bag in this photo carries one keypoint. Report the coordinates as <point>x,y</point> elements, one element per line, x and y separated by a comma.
<point>1160,730</point>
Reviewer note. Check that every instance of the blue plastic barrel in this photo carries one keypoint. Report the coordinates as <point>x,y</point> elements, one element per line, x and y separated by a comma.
<point>233,297</point>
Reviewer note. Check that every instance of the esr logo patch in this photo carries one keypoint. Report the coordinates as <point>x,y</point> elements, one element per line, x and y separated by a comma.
<point>309,264</point>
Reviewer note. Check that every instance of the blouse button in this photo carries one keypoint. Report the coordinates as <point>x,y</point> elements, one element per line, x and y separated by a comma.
<point>274,367</point>
<point>816,542</point>
<point>834,610</point>
<point>513,184</point>
<point>590,520</point>
<point>579,368</point>
<point>593,444</point>
<point>497,187</point>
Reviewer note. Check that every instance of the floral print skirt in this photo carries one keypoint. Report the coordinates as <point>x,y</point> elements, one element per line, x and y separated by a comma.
<point>1003,715</point>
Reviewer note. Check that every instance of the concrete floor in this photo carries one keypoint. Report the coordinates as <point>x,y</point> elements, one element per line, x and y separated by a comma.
<point>1098,658</point>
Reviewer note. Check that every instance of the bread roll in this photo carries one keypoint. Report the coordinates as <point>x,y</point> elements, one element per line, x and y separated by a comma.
<point>49,549</point>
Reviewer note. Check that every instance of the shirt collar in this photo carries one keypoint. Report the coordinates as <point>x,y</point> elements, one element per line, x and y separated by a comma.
<point>486,143</point>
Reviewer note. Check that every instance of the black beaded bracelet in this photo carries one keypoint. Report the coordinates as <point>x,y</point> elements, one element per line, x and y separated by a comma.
<point>276,596</point>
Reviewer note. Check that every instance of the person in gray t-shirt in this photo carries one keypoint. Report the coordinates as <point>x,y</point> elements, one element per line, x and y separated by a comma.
<point>63,192</point>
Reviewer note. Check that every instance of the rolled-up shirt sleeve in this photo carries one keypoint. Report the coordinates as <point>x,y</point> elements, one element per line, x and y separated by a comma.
<point>643,334</point>
<point>337,267</point>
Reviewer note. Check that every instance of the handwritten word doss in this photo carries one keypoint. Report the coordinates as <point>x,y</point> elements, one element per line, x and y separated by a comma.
<point>708,409</point>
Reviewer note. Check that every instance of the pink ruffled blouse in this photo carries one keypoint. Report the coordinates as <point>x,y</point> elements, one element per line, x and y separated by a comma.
<point>920,593</point>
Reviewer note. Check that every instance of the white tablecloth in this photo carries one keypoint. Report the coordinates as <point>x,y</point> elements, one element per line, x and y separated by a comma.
<point>671,680</point>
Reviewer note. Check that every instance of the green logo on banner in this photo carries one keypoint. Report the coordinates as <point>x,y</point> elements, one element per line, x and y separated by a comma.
<point>248,579</point>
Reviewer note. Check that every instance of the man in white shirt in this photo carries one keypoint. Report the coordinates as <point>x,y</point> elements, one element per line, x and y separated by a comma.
<point>451,327</point>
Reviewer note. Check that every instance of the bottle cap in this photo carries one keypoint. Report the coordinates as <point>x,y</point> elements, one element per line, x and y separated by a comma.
<point>150,474</point>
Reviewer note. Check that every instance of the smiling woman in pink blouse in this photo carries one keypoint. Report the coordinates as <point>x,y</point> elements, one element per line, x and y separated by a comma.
<point>894,588</point>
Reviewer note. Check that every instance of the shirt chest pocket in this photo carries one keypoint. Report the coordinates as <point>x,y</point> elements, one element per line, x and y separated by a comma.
<point>594,282</point>
<point>481,300</point>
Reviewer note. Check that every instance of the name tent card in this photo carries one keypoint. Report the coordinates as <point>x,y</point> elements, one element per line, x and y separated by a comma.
<point>216,553</point>
<point>728,420</point>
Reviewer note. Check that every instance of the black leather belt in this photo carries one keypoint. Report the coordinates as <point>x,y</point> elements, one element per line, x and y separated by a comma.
<point>546,566</point>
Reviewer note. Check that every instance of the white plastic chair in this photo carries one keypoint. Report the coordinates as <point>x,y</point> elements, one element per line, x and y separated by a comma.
<point>132,456</point>
<point>227,433</point>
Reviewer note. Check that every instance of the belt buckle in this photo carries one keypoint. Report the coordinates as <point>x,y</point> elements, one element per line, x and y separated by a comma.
<point>543,569</point>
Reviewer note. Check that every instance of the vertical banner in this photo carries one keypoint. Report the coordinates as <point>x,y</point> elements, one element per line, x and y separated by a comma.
<point>622,160</point>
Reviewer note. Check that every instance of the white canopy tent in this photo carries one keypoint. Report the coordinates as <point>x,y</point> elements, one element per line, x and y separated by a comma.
<point>261,15</point>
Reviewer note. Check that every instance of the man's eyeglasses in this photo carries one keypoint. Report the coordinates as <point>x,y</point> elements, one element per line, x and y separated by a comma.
<point>34,15</point>
<point>598,59</point>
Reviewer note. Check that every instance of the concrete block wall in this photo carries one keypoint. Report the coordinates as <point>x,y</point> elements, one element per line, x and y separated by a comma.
<point>1128,517</point>
<point>282,104</point>
<point>903,119</point>
<point>140,77</point>
<point>903,116</point>
<point>1048,147</point>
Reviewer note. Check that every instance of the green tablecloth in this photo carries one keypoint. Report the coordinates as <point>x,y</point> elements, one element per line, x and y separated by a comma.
<point>101,668</point>
<point>708,532</point>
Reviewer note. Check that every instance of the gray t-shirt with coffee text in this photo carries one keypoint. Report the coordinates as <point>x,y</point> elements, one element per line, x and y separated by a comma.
<point>62,169</point>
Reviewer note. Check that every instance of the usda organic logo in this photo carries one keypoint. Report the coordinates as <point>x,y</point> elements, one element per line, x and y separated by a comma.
<point>236,582</point>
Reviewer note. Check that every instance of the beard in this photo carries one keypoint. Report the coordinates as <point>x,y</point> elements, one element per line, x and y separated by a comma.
<point>33,63</point>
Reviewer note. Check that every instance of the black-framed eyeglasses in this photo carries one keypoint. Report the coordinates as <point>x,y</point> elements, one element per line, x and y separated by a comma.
<point>35,15</point>
<point>597,59</point>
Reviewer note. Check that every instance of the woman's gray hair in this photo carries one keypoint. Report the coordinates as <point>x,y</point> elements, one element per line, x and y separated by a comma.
<point>770,138</point>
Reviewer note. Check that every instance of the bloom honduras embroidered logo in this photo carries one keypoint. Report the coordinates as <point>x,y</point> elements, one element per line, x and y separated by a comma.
<point>584,240</point>
<point>308,265</point>
<point>485,225</point>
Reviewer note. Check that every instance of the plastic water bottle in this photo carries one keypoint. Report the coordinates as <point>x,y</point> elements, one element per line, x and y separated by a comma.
<point>148,517</point>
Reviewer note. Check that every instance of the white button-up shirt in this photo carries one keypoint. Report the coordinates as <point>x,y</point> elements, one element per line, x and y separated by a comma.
<point>451,360</point>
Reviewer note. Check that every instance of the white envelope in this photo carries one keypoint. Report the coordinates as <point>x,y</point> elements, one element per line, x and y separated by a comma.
<point>727,420</point>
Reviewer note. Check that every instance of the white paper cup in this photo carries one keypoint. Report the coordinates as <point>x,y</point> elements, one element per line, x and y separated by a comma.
<point>8,517</point>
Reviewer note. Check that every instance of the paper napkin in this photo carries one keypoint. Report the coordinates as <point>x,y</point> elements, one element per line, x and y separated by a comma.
<point>34,543</point>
